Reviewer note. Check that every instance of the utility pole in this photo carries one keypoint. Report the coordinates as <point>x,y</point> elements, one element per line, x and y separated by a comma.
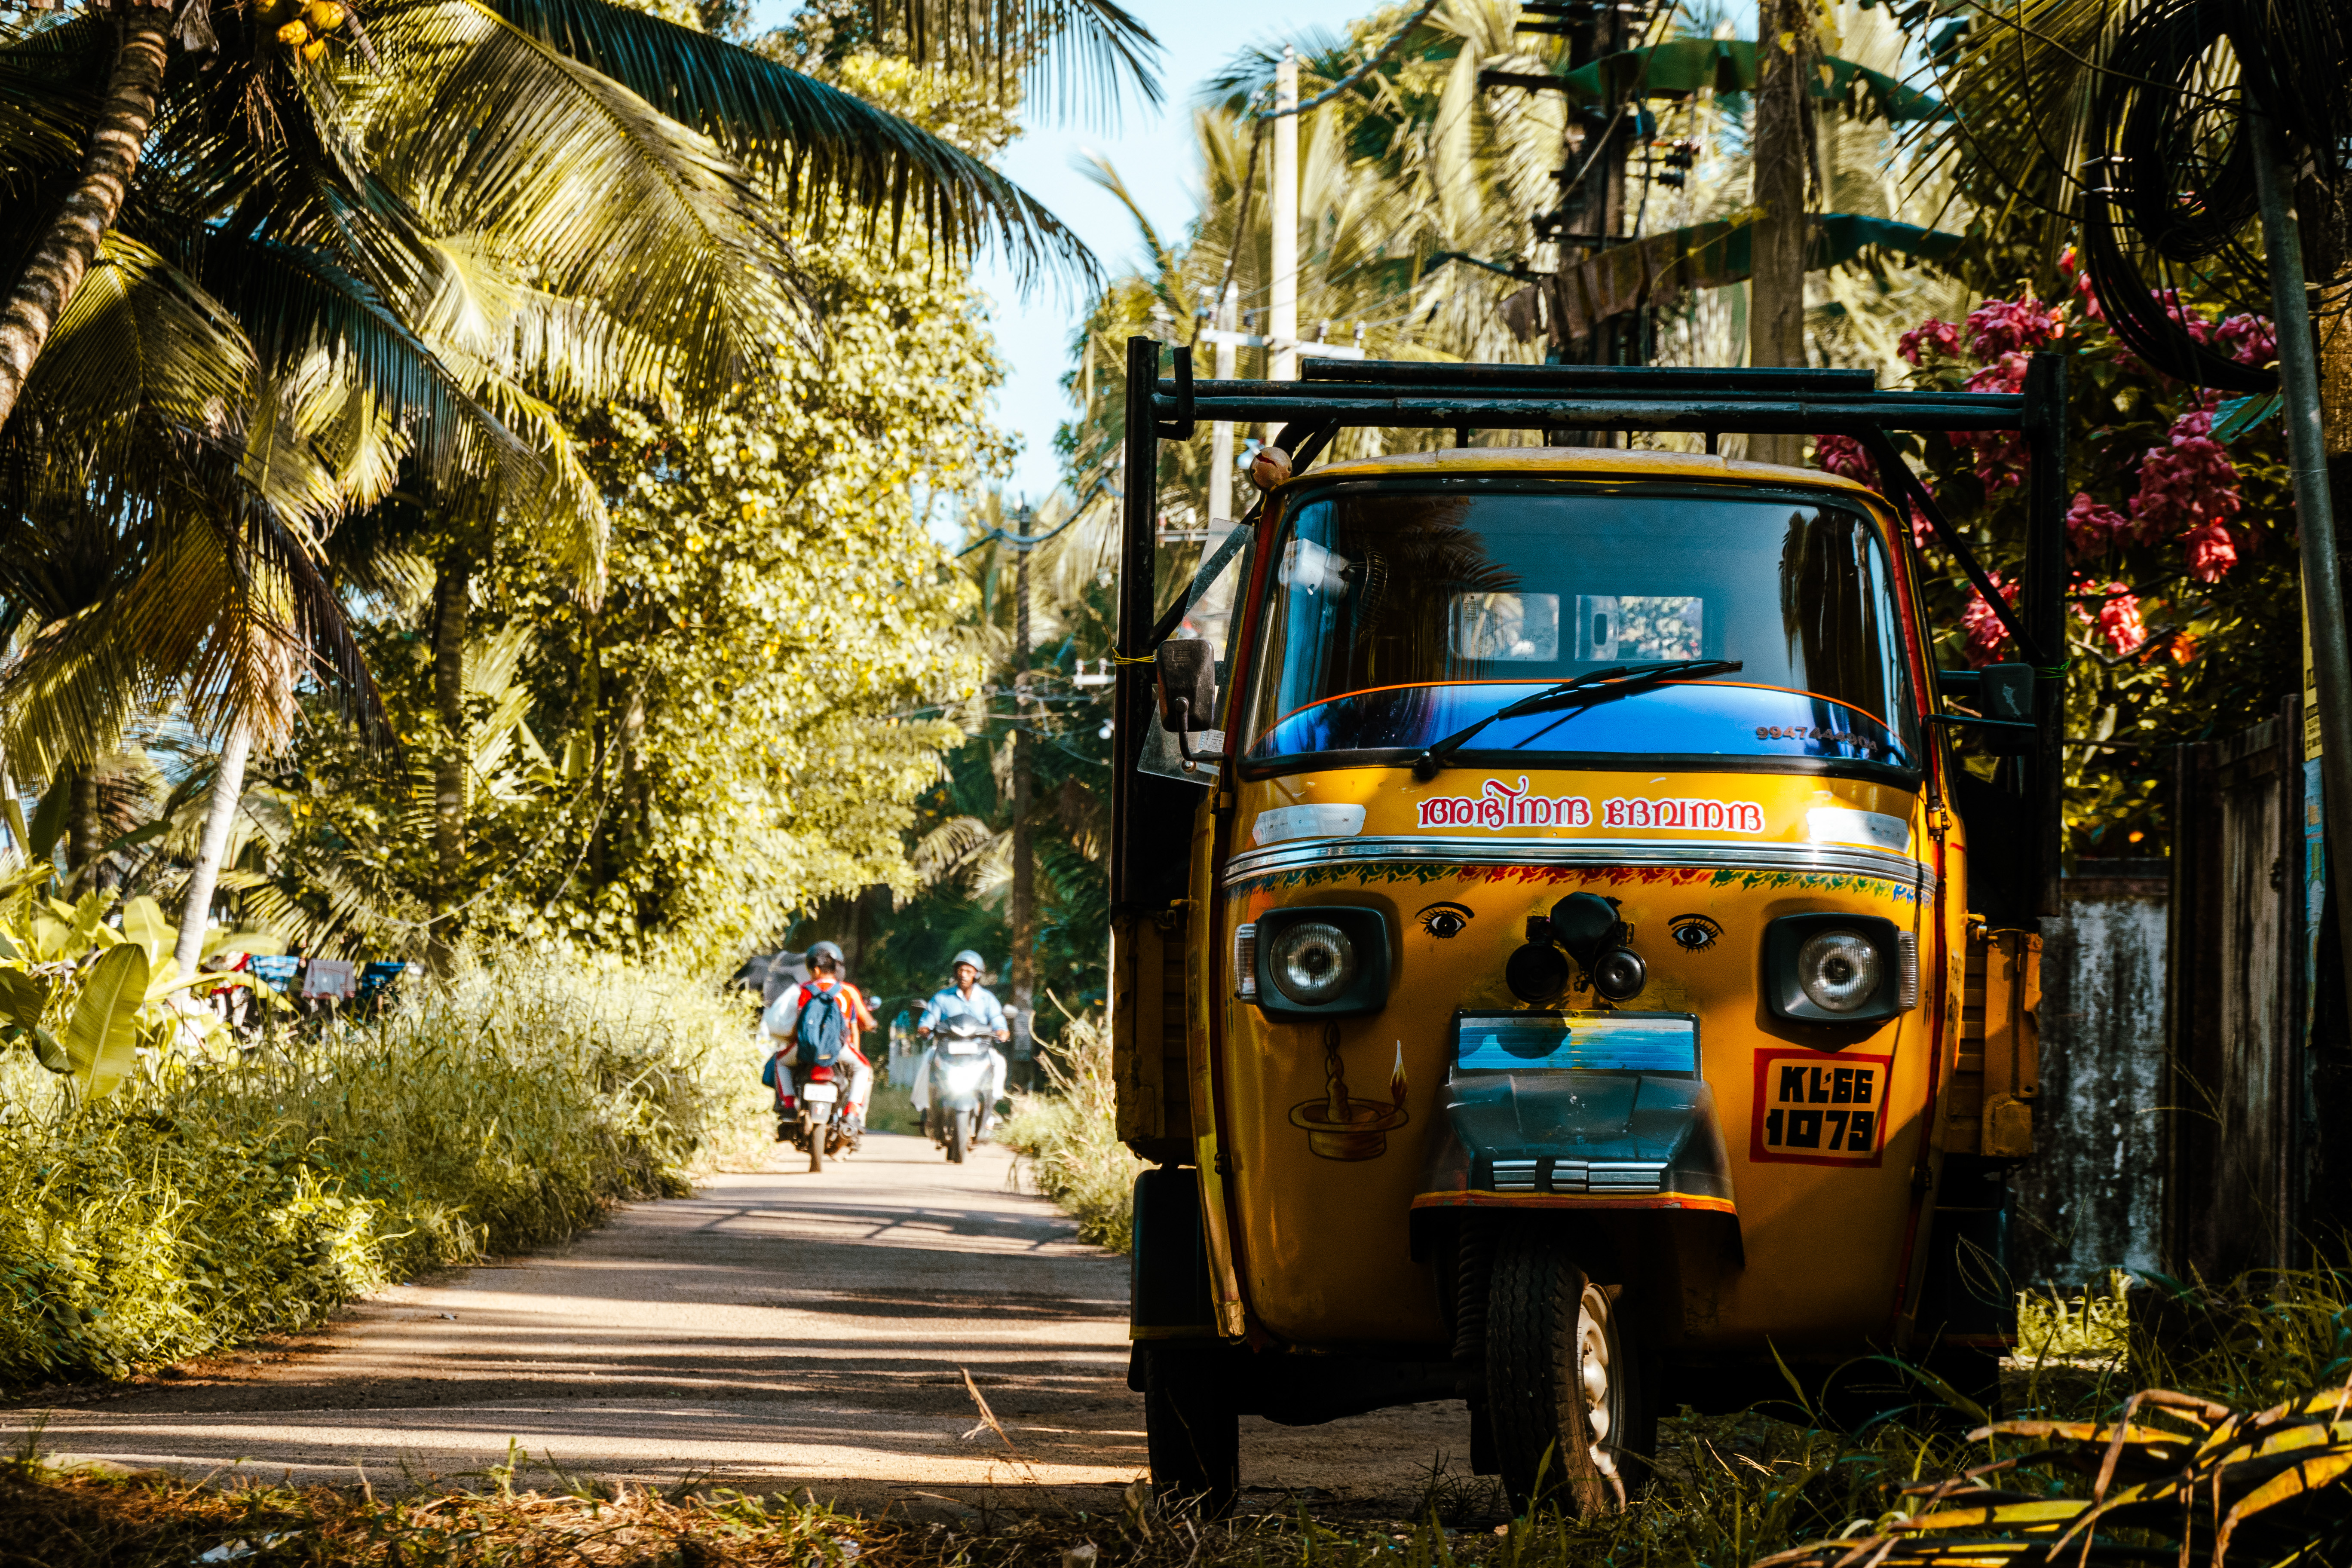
<point>1591,216</point>
<point>1220,434</point>
<point>2314,510</point>
<point>1776,298</point>
<point>1282,326</point>
<point>1025,867</point>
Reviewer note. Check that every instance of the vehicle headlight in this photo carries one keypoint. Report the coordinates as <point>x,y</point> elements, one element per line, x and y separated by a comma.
<point>1319,961</point>
<point>1832,968</point>
<point>1838,971</point>
<point>1313,963</point>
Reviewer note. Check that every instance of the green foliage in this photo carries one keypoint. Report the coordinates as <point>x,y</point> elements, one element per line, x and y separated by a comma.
<point>2087,1325</point>
<point>87,987</point>
<point>734,732</point>
<point>1069,1135</point>
<point>204,1204</point>
<point>2165,644</point>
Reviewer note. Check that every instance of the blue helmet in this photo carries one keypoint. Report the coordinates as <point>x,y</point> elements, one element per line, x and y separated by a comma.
<point>967,956</point>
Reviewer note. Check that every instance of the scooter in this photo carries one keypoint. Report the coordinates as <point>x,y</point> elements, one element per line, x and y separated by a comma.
<point>963,1063</point>
<point>808,1116</point>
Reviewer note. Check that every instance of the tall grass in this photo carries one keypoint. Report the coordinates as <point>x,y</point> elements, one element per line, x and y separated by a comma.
<point>1069,1134</point>
<point>204,1205</point>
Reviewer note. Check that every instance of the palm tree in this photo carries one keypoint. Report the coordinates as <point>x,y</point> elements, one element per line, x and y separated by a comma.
<point>557,77</point>
<point>399,245</point>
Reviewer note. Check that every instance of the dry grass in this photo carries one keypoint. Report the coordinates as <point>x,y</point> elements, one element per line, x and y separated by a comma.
<point>1068,1134</point>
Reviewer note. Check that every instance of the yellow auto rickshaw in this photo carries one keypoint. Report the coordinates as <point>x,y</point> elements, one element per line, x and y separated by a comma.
<point>1560,960</point>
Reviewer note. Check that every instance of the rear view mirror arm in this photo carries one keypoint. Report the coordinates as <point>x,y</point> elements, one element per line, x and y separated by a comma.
<point>1311,439</point>
<point>1973,722</point>
<point>1184,711</point>
<point>1891,467</point>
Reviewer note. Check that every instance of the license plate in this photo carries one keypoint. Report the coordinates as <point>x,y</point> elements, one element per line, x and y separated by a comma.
<point>1664,1044</point>
<point>964,1047</point>
<point>820,1094</point>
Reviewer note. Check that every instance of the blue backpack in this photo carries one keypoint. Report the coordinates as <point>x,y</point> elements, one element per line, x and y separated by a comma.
<point>821,1031</point>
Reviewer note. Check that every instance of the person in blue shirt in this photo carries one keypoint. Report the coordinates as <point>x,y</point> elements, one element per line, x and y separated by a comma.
<point>966,1000</point>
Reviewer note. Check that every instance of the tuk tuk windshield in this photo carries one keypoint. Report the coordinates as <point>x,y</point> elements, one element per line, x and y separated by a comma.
<point>1400,613</point>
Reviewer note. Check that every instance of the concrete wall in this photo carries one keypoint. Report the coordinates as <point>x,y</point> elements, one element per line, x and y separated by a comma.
<point>2092,1196</point>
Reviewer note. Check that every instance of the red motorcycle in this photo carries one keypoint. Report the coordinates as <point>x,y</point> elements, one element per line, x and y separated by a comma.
<point>809,1115</point>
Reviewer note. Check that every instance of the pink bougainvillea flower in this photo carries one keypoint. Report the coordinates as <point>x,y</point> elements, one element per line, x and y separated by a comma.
<point>2249,339</point>
<point>2091,528</point>
<point>1986,636</point>
<point>1940,337</point>
<point>2186,485</point>
<point>2212,551</point>
<point>2006,374</point>
<point>2119,620</point>
<point>2199,326</point>
<point>2078,283</point>
<point>1845,457</point>
<point>1998,327</point>
<point>1922,533</point>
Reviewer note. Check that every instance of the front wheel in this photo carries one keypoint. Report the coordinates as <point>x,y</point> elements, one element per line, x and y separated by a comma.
<point>957,1129</point>
<point>1564,1390</point>
<point>816,1147</point>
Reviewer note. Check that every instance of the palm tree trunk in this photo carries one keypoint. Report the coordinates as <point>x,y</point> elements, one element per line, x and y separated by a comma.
<point>452,586</point>
<point>82,839</point>
<point>220,815</point>
<point>63,255</point>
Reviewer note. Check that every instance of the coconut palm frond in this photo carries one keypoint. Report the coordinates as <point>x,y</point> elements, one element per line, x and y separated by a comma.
<point>140,337</point>
<point>1076,48</point>
<point>543,160</point>
<point>296,302</point>
<point>824,141</point>
<point>566,508</point>
<point>71,686</point>
<point>2020,91</point>
<point>44,121</point>
<point>574,351</point>
<point>951,849</point>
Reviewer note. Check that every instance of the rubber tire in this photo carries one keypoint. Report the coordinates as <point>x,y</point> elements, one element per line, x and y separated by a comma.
<point>1191,1433</point>
<point>955,1138</point>
<point>1535,1394</point>
<point>816,1148</point>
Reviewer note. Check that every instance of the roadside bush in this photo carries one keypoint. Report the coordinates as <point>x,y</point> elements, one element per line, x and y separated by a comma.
<point>201,1204</point>
<point>1069,1134</point>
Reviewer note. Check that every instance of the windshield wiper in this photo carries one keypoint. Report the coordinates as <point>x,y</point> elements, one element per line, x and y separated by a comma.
<point>1593,686</point>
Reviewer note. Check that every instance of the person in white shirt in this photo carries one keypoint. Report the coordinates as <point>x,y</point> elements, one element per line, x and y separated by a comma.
<point>966,1000</point>
<point>782,1018</point>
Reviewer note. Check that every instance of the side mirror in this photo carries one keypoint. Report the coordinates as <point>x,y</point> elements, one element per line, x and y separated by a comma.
<point>1186,673</point>
<point>2003,695</point>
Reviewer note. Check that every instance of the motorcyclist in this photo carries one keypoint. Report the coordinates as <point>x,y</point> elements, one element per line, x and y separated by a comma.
<point>825,982</point>
<point>966,999</point>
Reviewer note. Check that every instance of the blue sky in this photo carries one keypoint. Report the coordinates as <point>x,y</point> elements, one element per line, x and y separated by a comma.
<point>1153,150</point>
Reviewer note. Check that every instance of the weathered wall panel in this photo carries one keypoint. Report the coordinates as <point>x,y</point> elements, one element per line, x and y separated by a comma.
<point>2091,1198</point>
<point>2236,1063</point>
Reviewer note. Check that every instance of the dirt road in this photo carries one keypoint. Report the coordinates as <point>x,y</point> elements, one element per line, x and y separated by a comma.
<point>776,1330</point>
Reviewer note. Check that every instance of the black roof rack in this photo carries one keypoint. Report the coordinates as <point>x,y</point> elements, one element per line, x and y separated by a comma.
<point>1417,395</point>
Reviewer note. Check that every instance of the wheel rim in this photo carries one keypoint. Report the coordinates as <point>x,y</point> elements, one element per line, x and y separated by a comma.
<point>1596,1358</point>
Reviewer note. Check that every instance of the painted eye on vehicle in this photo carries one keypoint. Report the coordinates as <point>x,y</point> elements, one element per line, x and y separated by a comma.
<point>1445,919</point>
<point>1694,933</point>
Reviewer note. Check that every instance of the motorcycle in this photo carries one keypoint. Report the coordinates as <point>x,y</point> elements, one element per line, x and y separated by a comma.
<point>963,1066</point>
<point>809,1116</point>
